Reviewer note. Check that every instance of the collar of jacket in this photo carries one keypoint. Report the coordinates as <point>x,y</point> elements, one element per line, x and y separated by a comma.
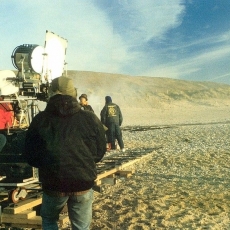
<point>62,105</point>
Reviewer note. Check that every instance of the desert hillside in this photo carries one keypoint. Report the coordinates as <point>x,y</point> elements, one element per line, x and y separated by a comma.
<point>130,88</point>
<point>149,101</point>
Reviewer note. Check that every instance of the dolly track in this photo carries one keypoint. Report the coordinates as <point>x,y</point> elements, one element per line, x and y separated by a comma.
<point>118,160</point>
<point>152,127</point>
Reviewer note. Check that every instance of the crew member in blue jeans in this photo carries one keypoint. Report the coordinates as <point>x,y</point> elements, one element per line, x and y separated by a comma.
<point>65,142</point>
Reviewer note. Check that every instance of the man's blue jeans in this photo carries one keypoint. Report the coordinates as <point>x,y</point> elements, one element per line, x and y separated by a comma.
<point>79,210</point>
<point>114,132</point>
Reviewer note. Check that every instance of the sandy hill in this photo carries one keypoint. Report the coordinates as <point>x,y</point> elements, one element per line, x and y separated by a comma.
<point>141,98</point>
<point>127,89</point>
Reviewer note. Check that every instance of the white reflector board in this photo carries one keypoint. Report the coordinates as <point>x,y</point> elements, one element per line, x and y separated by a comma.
<point>54,59</point>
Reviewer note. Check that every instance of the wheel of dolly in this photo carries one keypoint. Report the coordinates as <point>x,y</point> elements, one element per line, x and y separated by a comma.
<point>13,196</point>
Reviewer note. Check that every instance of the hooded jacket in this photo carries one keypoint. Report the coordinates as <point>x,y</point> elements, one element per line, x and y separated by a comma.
<point>65,143</point>
<point>111,113</point>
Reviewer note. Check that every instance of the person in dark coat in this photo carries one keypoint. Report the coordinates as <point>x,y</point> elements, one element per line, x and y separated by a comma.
<point>112,118</point>
<point>84,103</point>
<point>65,143</point>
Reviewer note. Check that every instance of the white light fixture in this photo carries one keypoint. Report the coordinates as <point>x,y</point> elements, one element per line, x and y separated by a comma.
<point>28,57</point>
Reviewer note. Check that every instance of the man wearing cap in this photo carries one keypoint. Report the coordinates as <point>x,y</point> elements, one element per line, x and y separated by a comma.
<point>65,143</point>
<point>84,103</point>
<point>111,117</point>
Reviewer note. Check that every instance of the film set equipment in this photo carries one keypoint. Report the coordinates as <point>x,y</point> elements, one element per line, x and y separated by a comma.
<point>28,59</point>
<point>36,67</point>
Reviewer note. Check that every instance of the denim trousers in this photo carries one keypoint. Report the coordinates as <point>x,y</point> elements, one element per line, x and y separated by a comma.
<point>79,210</point>
<point>114,132</point>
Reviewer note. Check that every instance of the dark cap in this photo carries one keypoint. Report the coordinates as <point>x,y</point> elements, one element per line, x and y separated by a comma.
<point>64,85</point>
<point>84,96</point>
<point>108,99</point>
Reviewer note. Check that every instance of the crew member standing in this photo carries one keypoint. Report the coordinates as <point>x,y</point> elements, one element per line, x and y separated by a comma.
<point>65,143</point>
<point>111,117</point>
<point>84,103</point>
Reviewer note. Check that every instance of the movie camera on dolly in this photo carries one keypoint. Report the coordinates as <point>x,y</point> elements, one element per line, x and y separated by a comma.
<point>20,93</point>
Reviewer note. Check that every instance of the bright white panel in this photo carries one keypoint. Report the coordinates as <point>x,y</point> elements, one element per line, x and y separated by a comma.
<point>37,59</point>
<point>54,60</point>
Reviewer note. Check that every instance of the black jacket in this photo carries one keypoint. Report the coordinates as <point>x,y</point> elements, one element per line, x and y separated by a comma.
<point>65,142</point>
<point>111,113</point>
<point>87,108</point>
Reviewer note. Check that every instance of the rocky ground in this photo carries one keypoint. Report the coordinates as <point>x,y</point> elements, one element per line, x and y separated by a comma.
<point>183,185</point>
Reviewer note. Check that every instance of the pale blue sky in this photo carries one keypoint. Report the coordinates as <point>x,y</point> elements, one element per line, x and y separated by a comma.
<point>161,38</point>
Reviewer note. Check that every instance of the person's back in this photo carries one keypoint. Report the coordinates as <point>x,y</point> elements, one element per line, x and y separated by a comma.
<point>64,128</point>
<point>65,142</point>
<point>112,118</point>
<point>111,113</point>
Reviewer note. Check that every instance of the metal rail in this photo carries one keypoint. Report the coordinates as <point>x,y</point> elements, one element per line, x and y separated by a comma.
<point>152,127</point>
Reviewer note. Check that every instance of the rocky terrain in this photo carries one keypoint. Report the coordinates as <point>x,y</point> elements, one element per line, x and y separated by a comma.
<point>183,185</point>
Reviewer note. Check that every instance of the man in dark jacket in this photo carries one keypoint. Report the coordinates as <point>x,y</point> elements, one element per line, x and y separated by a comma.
<point>65,143</point>
<point>84,103</point>
<point>111,117</point>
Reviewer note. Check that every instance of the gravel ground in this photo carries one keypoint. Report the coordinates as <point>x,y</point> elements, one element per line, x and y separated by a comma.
<point>183,185</point>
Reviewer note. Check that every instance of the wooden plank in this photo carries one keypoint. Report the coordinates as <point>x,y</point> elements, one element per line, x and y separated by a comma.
<point>13,219</point>
<point>125,173</point>
<point>107,173</point>
<point>37,220</point>
<point>31,226</point>
<point>114,170</point>
<point>134,161</point>
<point>118,168</point>
<point>97,182</point>
<point>23,205</point>
<point>20,184</point>
<point>22,215</point>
